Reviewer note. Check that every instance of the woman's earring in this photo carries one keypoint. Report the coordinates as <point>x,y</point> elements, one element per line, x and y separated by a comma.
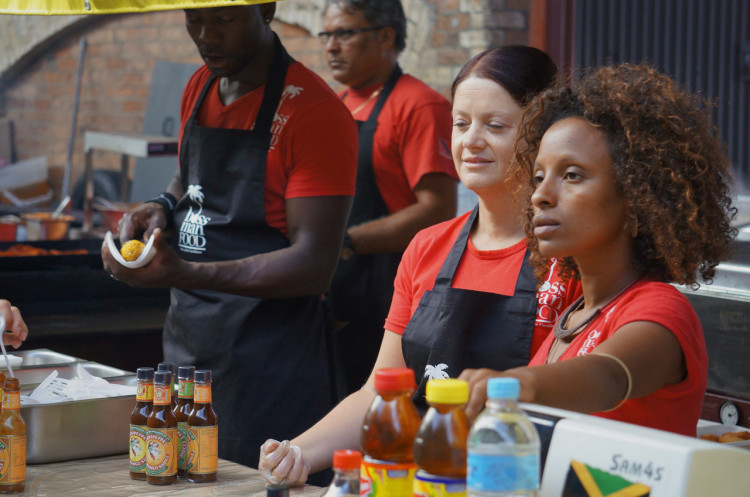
<point>633,226</point>
<point>268,21</point>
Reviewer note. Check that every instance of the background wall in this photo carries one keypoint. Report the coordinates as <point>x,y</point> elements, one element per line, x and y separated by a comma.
<point>39,62</point>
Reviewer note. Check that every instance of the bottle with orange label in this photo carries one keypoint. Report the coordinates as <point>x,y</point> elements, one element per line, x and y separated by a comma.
<point>161,438</point>
<point>440,444</point>
<point>172,368</point>
<point>387,436</point>
<point>182,413</point>
<point>203,453</point>
<point>138,429</point>
<point>12,440</point>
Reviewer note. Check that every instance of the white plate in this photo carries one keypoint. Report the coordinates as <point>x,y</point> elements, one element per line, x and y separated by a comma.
<point>148,252</point>
<point>720,429</point>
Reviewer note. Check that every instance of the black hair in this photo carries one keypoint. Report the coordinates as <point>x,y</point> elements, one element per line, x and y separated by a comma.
<point>386,13</point>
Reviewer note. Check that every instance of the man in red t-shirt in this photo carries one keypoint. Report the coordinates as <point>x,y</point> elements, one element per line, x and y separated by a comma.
<point>405,175</point>
<point>256,216</point>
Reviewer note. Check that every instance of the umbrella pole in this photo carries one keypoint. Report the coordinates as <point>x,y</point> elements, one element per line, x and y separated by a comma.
<point>71,142</point>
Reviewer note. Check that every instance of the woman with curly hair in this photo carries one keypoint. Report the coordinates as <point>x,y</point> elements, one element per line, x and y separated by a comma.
<point>629,186</point>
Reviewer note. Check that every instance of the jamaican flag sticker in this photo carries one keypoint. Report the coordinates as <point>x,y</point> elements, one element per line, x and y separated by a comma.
<point>585,481</point>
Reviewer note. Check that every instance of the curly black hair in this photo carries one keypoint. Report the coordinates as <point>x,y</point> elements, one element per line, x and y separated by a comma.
<point>669,164</point>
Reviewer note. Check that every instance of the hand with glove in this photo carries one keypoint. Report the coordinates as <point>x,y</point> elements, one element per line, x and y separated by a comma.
<point>283,463</point>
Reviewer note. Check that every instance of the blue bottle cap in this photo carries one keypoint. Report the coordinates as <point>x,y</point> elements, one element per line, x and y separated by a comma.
<point>503,388</point>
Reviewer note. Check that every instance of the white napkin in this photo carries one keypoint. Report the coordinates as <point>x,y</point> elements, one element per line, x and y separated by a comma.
<point>148,252</point>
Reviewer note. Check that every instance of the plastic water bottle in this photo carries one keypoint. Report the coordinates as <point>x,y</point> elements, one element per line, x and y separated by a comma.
<point>503,446</point>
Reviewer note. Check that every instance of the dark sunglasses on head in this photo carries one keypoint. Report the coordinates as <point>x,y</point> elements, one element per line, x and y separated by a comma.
<point>344,35</point>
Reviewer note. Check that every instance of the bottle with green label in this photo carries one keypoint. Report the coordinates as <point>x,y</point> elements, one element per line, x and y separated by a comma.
<point>182,413</point>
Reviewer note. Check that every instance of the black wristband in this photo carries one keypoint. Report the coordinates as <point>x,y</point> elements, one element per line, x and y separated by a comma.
<point>168,201</point>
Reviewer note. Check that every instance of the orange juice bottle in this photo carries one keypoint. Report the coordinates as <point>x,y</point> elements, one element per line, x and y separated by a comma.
<point>387,436</point>
<point>12,440</point>
<point>440,444</point>
<point>182,413</point>
<point>203,453</point>
<point>138,429</point>
<point>161,438</point>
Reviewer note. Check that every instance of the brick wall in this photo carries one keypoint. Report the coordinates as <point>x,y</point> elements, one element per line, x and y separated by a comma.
<point>122,49</point>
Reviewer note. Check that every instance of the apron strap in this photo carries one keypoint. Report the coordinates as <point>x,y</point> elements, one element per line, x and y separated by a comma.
<point>448,270</point>
<point>384,94</point>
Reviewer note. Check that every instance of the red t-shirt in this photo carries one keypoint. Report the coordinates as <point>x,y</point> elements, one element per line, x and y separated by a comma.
<point>413,137</point>
<point>314,146</point>
<point>677,407</point>
<point>492,271</point>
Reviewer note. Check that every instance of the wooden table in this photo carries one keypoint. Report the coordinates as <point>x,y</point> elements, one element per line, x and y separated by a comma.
<point>109,477</point>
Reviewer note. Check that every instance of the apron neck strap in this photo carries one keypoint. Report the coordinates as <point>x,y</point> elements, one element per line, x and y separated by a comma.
<point>448,270</point>
<point>272,93</point>
<point>385,93</point>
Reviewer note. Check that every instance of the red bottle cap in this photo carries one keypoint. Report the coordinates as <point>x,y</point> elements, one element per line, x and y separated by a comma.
<point>395,379</point>
<point>347,459</point>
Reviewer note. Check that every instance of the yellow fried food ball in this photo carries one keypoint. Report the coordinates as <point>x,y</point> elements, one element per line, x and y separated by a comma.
<point>132,249</point>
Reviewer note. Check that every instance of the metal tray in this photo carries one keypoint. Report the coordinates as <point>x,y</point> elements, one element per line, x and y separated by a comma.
<point>33,376</point>
<point>78,429</point>
<point>41,357</point>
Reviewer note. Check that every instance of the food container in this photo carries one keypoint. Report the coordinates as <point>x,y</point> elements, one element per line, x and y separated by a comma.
<point>721,429</point>
<point>42,226</point>
<point>77,429</point>
<point>9,228</point>
<point>112,213</point>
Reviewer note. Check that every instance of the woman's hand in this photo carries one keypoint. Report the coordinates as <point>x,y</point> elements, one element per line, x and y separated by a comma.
<point>283,463</point>
<point>14,324</point>
<point>477,379</point>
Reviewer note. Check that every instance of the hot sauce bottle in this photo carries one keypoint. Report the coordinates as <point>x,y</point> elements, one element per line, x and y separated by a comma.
<point>12,440</point>
<point>138,429</point>
<point>181,413</point>
<point>172,368</point>
<point>161,438</point>
<point>204,444</point>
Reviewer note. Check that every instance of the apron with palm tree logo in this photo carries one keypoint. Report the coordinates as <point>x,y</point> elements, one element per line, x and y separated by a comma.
<point>453,329</point>
<point>268,356</point>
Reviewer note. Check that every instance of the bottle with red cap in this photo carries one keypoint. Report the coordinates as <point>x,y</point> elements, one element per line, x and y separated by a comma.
<point>387,436</point>
<point>346,464</point>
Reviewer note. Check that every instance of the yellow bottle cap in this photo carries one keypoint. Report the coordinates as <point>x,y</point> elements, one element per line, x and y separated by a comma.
<point>448,391</point>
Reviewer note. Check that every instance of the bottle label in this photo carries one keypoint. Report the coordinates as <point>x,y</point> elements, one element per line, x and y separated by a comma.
<point>204,450</point>
<point>12,459</point>
<point>138,448</point>
<point>427,485</point>
<point>202,394</point>
<point>144,392</point>
<point>12,400</point>
<point>502,473</point>
<point>161,451</point>
<point>186,389</point>
<point>385,479</point>
<point>162,395</point>
<point>185,436</point>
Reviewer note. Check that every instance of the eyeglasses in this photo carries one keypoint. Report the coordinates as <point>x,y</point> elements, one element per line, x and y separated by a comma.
<point>344,35</point>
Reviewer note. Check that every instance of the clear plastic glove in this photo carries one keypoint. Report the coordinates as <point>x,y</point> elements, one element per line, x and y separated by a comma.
<point>283,463</point>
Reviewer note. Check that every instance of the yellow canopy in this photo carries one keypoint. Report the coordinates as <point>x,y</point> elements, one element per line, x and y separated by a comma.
<point>74,7</point>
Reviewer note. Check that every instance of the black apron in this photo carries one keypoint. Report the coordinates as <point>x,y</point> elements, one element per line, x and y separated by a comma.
<point>453,329</point>
<point>362,286</point>
<point>268,356</point>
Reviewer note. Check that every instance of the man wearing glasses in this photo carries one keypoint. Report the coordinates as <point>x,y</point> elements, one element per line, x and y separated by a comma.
<point>405,175</point>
